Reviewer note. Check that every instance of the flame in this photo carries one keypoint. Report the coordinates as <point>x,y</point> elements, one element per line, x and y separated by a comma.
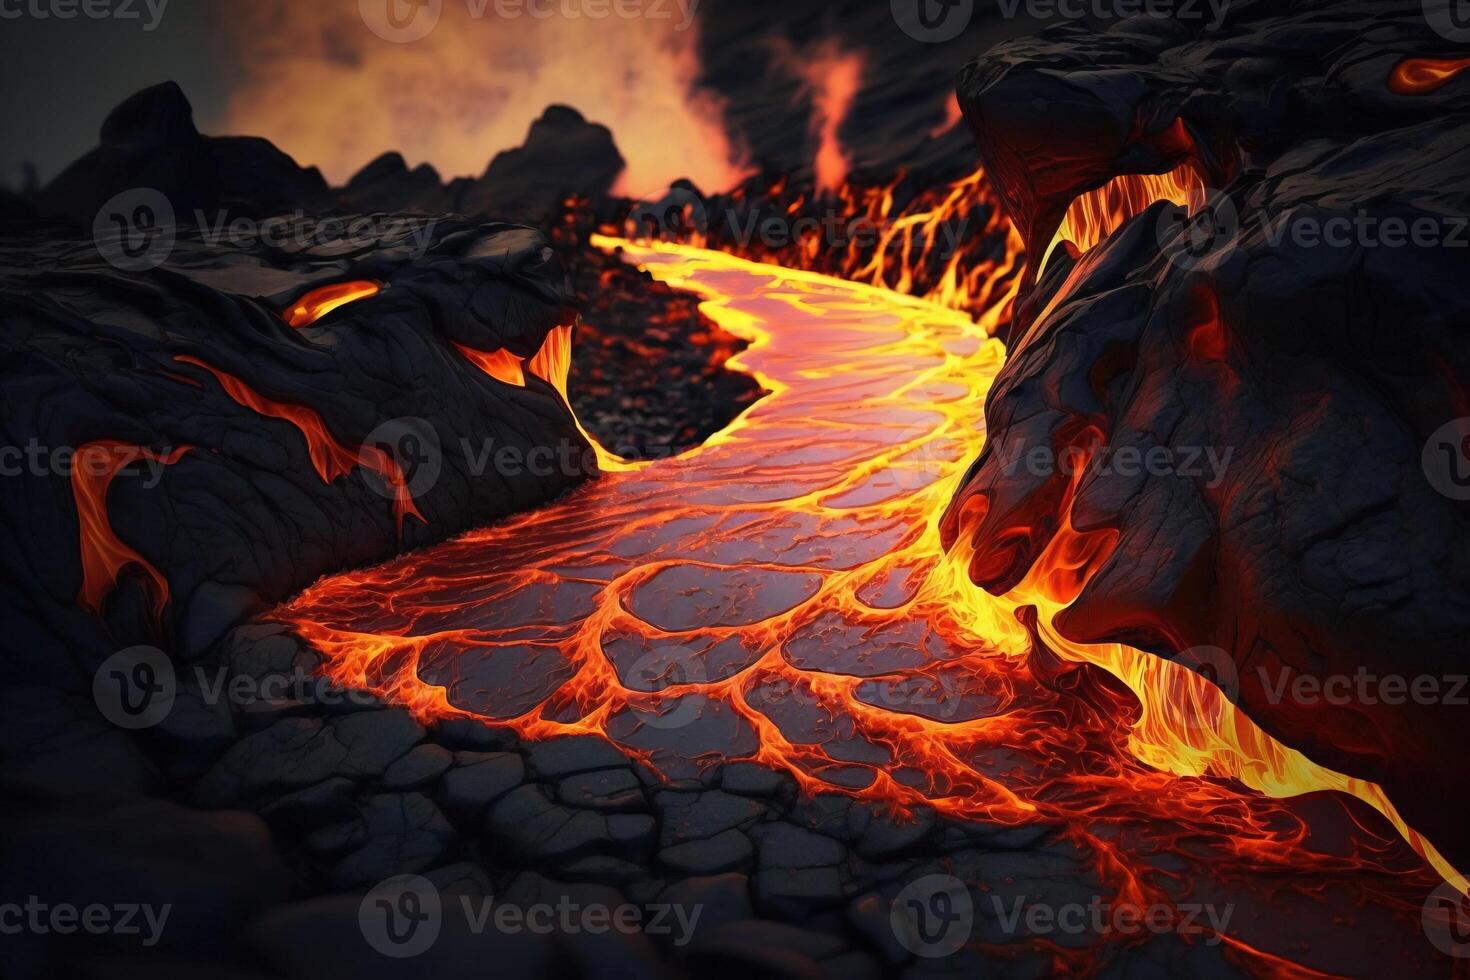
<point>319,302</point>
<point>552,363</point>
<point>1095,215</point>
<point>788,581</point>
<point>104,555</point>
<point>330,458</point>
<point>1421,76</point>
<point>950,244</point>
<point>500,364</point>
<point>831,77</point>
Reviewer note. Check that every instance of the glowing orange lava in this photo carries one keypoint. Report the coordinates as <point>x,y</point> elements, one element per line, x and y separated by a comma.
<point>782,594</point>
<point>949,244</point>
<point>104,555</point>
<point>1421,76</point>
<point>323,300</point>
<point>330,458</point>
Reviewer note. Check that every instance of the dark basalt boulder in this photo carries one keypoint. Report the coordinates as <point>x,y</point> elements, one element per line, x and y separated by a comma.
<point>245,516</point>
<point>150,141</point>
<point>387,184</point>
<point>563,154</point>
<point>1330,545</point>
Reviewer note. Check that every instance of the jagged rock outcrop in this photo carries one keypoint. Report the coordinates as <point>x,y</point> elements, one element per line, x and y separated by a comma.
<point>1299,327</point>
<point>150,141</point>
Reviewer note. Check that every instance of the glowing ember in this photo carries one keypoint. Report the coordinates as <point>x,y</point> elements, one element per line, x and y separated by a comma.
<point>319,302</point>
<point>104,555</point>
<point>1421,76</point>
<point>330,458</point>
<point>782,594</point>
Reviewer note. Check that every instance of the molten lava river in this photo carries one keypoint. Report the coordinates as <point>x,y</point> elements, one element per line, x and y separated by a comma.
<point>780,594</point>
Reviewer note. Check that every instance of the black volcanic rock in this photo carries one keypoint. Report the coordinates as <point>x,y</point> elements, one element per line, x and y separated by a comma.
<point>150,141</point>
<point>563,154</point>
<point>1330,545</point>
<point>387,184</point>
<point>252,511</point>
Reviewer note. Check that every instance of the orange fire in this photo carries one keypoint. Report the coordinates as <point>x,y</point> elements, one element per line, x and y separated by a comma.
<point>950,244</point>
<point>104,555</point>
<point>1421,76</point>
<point>831,78</point>
<point>323,300</point>
<point>1094,216</point>
<point>330,458</point>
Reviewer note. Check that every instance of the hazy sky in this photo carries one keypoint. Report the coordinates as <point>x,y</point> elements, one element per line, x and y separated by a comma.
<point>62,77</point>
<point>308,75</point>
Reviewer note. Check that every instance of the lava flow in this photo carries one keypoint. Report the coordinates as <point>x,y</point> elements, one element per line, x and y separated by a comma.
<point>781,594</point>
